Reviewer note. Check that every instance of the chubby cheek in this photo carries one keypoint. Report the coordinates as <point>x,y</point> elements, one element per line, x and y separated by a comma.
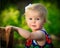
<point>39,24</point>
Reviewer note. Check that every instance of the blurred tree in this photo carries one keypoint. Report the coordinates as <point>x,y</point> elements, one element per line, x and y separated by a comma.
<point>10,16</point>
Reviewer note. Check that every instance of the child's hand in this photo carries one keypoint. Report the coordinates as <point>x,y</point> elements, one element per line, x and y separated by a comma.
<point>8,28</point>
<point>7,33</point>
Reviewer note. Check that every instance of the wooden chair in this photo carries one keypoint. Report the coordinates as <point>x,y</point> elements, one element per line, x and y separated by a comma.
<point>6,38</point>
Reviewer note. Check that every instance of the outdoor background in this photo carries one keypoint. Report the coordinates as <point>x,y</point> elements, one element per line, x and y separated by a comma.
<point>12,13</point>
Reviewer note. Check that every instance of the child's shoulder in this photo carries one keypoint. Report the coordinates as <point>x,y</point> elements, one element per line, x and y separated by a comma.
<point>34,42</point>
<point>46,33</point>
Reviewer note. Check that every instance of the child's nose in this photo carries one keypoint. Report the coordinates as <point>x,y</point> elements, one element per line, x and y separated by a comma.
<point>34,21</point>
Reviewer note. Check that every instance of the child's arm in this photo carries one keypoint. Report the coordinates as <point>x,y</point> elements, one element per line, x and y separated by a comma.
<point>38,35</point>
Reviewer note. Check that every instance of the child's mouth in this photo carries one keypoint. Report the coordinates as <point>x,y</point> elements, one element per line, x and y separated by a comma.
<point>33,25</point>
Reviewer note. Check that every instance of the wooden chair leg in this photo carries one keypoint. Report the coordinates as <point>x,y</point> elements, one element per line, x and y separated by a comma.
<point>11,40</point>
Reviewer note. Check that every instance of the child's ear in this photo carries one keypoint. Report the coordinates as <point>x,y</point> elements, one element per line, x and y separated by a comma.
<point>44,20</point>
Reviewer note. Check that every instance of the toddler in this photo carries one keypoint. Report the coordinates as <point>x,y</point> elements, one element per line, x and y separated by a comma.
<point>35,15</point>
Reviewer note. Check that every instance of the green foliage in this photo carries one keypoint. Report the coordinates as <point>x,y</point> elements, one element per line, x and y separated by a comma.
<point>53,17</point>
<point>10,16</point>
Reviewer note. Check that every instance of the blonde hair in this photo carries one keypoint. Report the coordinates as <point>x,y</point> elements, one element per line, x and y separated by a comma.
<point>37,7</point>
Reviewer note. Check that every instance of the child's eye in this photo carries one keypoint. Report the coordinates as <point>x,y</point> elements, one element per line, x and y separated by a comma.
<point>37,19</point>
<point>30,18</point>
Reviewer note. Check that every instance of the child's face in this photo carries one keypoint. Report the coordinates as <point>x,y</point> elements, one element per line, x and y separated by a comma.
<point>34,20</point>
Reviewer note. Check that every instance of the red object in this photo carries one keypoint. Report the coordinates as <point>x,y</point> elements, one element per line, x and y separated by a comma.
<point>48,40</point>
<point>29,42</point>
